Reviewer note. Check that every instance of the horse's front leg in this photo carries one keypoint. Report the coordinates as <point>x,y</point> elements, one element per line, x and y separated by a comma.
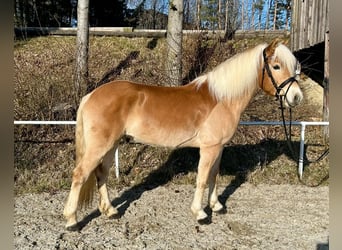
<point>208,158</point>
<point>214,203</point>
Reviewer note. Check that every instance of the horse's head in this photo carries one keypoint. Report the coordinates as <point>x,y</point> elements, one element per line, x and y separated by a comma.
<point>279,72</point>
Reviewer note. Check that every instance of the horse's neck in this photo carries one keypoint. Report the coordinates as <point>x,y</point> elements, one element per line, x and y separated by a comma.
<point>239,104</point>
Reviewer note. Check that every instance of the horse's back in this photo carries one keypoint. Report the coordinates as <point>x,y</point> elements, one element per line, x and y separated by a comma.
<point>151,114</point>
<point>150,98</point>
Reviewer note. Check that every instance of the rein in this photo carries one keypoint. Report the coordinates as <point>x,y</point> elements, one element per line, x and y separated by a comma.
<point>281,98</point>
<point>290,146</point>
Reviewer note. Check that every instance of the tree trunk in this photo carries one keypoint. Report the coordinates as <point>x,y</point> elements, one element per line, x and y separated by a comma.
<point>17,14</point>
<point>154,13</point>
<point>243,14</point>
<point>275,14</point>
<point>219,14</point>
<point>268,15</point>
<point>187,15</point>
<point>226,19</point>
<point>198,14</point>
<point>82,44</point>
<point>174,42</point>
<point>252,15</point>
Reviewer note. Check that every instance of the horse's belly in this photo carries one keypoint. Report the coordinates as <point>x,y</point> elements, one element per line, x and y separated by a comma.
<point>163,137</point>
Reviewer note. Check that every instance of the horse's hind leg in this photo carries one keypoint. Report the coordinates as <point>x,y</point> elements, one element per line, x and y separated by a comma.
<point>208,157</point>
<point>81,179</point>
<point>101,173</point>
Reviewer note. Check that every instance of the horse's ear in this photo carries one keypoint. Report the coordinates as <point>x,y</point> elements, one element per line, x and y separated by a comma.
<point>272,46</point>
<point>286,42</point>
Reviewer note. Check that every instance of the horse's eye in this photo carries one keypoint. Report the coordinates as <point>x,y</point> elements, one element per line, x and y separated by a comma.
<point>276,67</point>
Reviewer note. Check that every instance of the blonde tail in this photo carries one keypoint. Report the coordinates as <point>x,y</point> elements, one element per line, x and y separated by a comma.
<point>88,188</point>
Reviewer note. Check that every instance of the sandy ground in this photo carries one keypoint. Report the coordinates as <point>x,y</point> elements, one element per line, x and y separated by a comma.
<point>258,217</point>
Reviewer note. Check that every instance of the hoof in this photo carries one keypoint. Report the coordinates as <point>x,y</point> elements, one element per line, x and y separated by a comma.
<point>200,215</point>
<point>223,210</point>
<point>204,221</point>
<point>217,207</point>
<point>114,216</point>
<point>73,228</point>
<point>112,213</point>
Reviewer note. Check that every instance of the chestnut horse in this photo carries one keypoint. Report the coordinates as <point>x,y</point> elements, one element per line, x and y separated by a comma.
<point>204,113</point>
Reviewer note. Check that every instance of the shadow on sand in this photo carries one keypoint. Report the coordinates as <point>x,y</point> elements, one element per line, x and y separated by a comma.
<point>237,161</point>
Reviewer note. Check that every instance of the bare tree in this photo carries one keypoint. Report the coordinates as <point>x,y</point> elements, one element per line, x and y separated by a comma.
<point>187,13</point>
<point>154,13</point>
<point>252,15</point>
<point>219,14</point>
<point>243,14</point>
<point>174,42</point>
<point>198,13</point>
<point>82,44</point>
<point>231,18</point>
<point>226,19</point>
<point>275,14</point>
<point>259,5</point>
<point>268,14</point>
<point>287,7</point>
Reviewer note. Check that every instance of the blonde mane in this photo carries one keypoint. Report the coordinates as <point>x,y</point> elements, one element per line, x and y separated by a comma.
<point>286,58</point>
<point>238,74</point>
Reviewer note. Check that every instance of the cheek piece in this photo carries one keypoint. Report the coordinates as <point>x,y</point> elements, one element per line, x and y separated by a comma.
<point>290,80</point>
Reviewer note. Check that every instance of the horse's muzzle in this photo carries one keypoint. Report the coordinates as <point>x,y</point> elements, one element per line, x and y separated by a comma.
<point>293,98</point>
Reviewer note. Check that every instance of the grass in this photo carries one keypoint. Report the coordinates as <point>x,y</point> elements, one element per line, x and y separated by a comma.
<point>43,83</point>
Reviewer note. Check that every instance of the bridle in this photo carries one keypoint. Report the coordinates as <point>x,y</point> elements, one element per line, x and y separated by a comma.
<point>278,88</point>
<point>281,97</point>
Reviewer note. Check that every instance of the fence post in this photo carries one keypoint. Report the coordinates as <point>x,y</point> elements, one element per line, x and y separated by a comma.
<point>301,150</point>
<point>117,172</point>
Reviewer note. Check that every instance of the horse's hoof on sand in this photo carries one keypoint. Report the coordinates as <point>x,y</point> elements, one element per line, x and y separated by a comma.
<point>204,221</point>
<point>201,216</point>
<point>223,210</point>
<point>217,207</point>
<point>114,216</point>
<point>73,228</point>
<point>112,213</point>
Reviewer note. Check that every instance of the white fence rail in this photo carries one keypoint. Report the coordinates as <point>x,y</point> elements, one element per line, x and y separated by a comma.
<point>303,125</point>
